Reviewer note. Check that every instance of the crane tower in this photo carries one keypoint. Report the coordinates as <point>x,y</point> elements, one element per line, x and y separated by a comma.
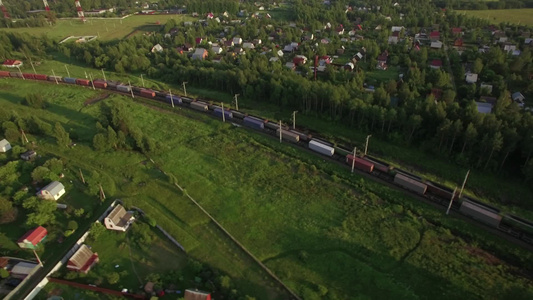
<point>46,6</point>
<point>80,11</point>
<point>4,10</point>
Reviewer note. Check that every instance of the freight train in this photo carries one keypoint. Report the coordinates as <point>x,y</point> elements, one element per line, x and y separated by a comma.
<point>484,213</point>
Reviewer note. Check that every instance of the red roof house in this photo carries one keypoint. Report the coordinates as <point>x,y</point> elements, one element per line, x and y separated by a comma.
<point>458,43</point>
<point>456,31</point>
<point>299,60</point>
<point>436,64</point>
<point>82,260</point>
<point>196,295</point>
<point>434,36</point>
<point>32,238</point>
<point>12,63</point>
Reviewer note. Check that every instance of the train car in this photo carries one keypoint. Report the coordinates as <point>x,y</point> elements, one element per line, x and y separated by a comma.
<point>54,78</point>
<point>187,100</point>
<point>237,114</point>
<point>198,105</point>
<point>304,137</point>
<point>410,183</point>
<point>288,136</point>
<point>15,74</point>
<point>136,90</point>
<point>481,212</point>
<point>272,125</point>
<point>100,84</point>
<point>217,111</point>
<point>85,82</point>
<point>147,93</point>
<point>174,98</point>
<point>407,174</point>
<point>254,123</point>
<point>28,75</point>
<point>321,148</point>
<point>360,163</point>
<point>517,227</point>
<point>111,84</point>
<point>124,88</point>
<point>4,74</point>
<point>440,191</point>
<point>40,77</point>
<point>69,80</point>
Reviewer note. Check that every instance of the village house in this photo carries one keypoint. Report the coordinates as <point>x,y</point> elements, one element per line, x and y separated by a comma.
<point>199,53</point>
<point>434,36</point>
<point>82,260</point>
<point>471,78</point>
<point>382,61</point>
<point>394,38</point>
<point>28,155</point>
<point>436,64</point>
<point>12,63</point>
<point>237,40</point>
<point>33,238</point>
<point>484,108</point>
<point>248,45</point>
<point>217,49</point>
<point>4,145</point>
<point>118,219</point>
<point>299,60</point>
<point>191,294</point>
<point>22,269</point>
<point>157,48</point>
<point>436,45</point>
<point>290,66</point>
<point>509,48</point>
<point>52,191</point>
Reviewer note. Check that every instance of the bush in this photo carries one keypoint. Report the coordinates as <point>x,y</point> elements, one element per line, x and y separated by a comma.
<point>34,100</point>
<point>4,273</point>
<point>151,221</point>
<point>72,225</point>
<point>113,277</point>
<point>96,230</point>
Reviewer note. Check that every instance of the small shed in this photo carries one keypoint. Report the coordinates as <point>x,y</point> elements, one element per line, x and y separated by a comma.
<point>4,145</point>
<point>82,260</point>
<point>518,97</point>
<point>28,155</point>
<point>32,238</point>
<point>52,191</point>
<point>471,78</point>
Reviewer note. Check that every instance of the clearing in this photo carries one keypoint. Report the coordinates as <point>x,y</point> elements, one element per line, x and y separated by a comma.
<point>521,16</point>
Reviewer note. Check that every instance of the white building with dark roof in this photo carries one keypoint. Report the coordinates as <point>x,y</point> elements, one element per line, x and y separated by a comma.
<point>52,191</point>
<point>118,219</point>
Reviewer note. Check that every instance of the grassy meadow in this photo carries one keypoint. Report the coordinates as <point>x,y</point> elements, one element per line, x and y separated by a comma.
<point>522,16</point>
<point>105,29</point>
<point>325,232</point>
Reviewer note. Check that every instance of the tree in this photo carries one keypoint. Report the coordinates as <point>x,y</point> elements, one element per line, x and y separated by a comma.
<point>96,230</point>
<point>496,145</point>
<point>470,136</point>
<point>54,165</point>
<point>40,174</point>
<point>99,142</point>
<point>113,277</point>
<point>72,225</point>
<point>5,206</point>
<point>414,123</point>
<point>43,214</point>
<point>4,273</point>
<point>111,137</point>
<point>62,137</point>
<point>478,66</point>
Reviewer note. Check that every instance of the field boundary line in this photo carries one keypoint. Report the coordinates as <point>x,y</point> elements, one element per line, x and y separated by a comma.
<point>265,268</point>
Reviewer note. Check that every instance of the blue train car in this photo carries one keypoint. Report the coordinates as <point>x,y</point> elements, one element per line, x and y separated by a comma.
<point>176,99</point>
<point>69,80</point>
<point>254,123</point>
<point>218,112</point>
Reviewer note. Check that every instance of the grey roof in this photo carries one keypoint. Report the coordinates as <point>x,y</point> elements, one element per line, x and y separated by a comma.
<point>517,95</point>
<point>54,187</point>
<point>3,143</point>
<point>119,216</point>
<point>23,268</point>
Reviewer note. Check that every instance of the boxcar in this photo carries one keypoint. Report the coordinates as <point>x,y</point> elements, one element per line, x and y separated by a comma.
<point>69,80</point>
<point>360,163</point>
<point>124,88</point>
<point>15,74</point>
<point>218,112</point>
<point>4,74</point>
<point>289,136</point>
<point>440,192</point>
<point>85,82</point>
<point>28,75</point>
<point>410,183</point>
<point>176,99</point>
<point>304,137</point>
<point>238,114</point>
<point>187,100</point>
<point>198,105</point>
<point>40,77</point>
<point>100,84</point>
<point>54,78</point>
<point>481,212</point>
<point>147,93</point>
<point>322,142</point>
<point>254,123</point>
<point>321,148</point>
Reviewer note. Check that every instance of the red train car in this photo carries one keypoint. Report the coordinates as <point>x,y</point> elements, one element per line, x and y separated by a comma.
<point>100,84</point>
<point>4,74</point>
<point>40,77</point>
<point>28,75</point>
<point>147,93</point>
<point>360,163</point>
<point>86,82</point>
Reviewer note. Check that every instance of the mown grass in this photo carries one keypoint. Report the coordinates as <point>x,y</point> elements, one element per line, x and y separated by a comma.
<point>105,29</point>
<point>496,16</point>
<point>317,227</point>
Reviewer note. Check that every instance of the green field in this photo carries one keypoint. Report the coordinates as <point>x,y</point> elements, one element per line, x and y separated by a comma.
<point>106,29</point>
<point>522,16</point>
<point>324,232</point>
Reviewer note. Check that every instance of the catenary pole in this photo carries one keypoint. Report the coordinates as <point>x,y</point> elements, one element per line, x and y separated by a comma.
<point>280,136</point>
<point>55,77</point>
<point>68,73</point>
<point>171,97</point>
<point>131,90</point>
<point>451,201</point>
<point>223,115</point>
<point>236,101</point>
<point>366,144</point>
<point>184,88</point>
<point>92,82</point>
<point>464,182</point>
<point>353,160</point>
<point>294,119</point>
<point>103,74</point>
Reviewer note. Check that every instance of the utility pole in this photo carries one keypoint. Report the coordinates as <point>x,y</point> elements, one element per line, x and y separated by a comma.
<point>184,89</point>
<point>103,74</point>
<point>142,79</point>
<point>236,101</point>
<point>86,75</point>
<point>92,82</point>
<point>451,201</point>
<point>102,194</point>
<point>171,97</point>
<point>223,115</point>
<point>82,178</point>
<point>38,259</point>
<point>31,63</point>
<point>366,144</point>
<point>55,77</point>
<point>68,73</point>
<point>280,131</point>
<point>464,182</point>
<point>294,119</point>
<point>21,75</point>
<point>131,90</point>
<point>23,136</point>
<point>353,160</point>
